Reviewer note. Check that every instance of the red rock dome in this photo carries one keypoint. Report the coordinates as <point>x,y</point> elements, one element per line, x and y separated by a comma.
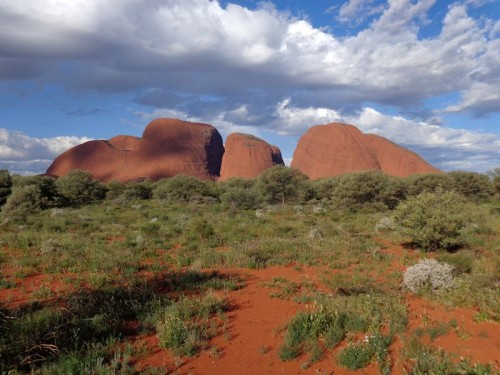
<point>396,160</point>
<point>168,147</point>
<point>334,149</point>
<point>248,156</point>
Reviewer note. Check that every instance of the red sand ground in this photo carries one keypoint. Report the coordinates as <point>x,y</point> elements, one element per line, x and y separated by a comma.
<point>256,327</point>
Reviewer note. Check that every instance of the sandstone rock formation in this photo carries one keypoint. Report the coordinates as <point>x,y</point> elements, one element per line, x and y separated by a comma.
<point>396,160</point>
<point>248,156</point>
<point>167,147</point>
<point>333,149</point>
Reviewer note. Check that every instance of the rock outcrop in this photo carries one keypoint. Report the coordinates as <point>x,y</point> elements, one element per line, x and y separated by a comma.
<point>396,160</point>
<point>167,147</point>
<point>334,149</point>
<point>248,156</point>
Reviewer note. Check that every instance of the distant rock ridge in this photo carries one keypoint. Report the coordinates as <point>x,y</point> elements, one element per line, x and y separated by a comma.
<point>169,147</point>
<point>334,149</point>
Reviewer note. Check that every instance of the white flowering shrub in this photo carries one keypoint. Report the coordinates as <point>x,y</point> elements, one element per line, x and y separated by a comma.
<point>385,224</point>
<point>51,245</point>
<point>428,274</point>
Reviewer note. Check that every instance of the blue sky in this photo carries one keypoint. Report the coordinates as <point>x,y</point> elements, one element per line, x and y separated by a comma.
<point>422,73</point>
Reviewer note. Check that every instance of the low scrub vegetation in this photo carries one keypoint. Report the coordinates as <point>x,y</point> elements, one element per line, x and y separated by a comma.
<point>85,267</point>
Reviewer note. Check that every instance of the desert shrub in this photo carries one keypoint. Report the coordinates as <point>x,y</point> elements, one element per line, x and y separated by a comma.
<point>323,188</point>
<point>427,183</point>
<point>137,190</point>
<point>114,189</point>
<point>23,202</point>
<point>433,220</point>
<point>355,357</point>
<point>79,188</point>
<point>201,228</point>
<point>236,182</point>
<point>46,185</point>
<point>241,198</point>
<point>474,186</point>
<point>371,189</point>
<point>181,188</point>
<point>428,274</point>
<point>494,175</point>
<point>385,224</point>
<point>5,185</point>
<point>281,184</point>
<point>187,325</point>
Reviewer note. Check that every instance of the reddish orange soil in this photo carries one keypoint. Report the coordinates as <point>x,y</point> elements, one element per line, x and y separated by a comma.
<point>256,329</point>
<point>256,326</point>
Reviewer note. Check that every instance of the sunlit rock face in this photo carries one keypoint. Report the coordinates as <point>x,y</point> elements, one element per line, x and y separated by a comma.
<point>334,149</point>
<point>247,156</point>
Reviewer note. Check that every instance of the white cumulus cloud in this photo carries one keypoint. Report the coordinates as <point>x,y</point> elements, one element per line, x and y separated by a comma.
<point>21,153</point>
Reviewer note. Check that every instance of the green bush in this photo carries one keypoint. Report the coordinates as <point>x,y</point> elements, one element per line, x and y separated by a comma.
<point>23,202</point>
<point>427,183</point>
<point>241,198</point>
<point>323,188</point>
<point>79,188</point>
<point>474,186</point>
<point>187,325</point>
<point>5,185</point>
<point>137,190</point>
<point>433,220</point>
<point>114,189</point>
<point>182,188</point>
<point>494,175</point>
<point>355,357</point>
<point>281,184</point>
<point>46,185</point>
<point>371,189</point>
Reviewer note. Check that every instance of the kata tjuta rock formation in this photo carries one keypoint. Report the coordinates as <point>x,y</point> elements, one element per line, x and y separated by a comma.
<point>248,156</point>
<point>169,147</point>
<point>333,149</point>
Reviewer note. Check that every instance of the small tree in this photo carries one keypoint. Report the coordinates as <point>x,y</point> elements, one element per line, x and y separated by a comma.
<point>241,198</point>
<point>323,188</point>
<point>46,185</point>
<point>5,185</point>
<point>428,183</point>
<point>181,188</point>
<point>494,175</point>
<point>371,189</point>
<point>114,189</point>
<point>281,184</point>
<point>23,202</point>
<point>138,190</point>
<point>79,188</point>
<point>433,220</point>
<point>474,186</point>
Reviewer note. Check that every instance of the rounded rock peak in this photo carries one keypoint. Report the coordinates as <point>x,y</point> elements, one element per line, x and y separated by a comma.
<point>247,156</point>
<point>333,149</point>
<point>166,129</point>
<point>125,142</point>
